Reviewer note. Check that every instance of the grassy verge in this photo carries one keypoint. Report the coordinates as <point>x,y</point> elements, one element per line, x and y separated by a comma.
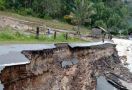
<point>8,36</point>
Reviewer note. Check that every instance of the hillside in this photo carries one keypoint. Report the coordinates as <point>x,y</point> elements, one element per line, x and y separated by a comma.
<point>32,22</point>
<point>16,28</point>
<point>130,12</point>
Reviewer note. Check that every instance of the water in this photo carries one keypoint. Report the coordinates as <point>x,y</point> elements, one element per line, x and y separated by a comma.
<point>124,48</point>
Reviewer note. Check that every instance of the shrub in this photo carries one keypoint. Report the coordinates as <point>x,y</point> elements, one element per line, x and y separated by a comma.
<point>23,11</point>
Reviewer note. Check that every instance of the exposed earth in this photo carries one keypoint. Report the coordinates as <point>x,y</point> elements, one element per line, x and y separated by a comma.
<point>80,65</point>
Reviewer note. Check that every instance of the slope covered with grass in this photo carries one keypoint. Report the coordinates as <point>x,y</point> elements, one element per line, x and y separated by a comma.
<point>53,23</point>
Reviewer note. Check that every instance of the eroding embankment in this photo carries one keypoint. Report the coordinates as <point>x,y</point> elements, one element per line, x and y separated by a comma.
<point>67,67</point>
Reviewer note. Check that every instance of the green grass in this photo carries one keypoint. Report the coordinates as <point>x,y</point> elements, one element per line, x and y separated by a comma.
<point>49,23</point>
<point>9,36</point>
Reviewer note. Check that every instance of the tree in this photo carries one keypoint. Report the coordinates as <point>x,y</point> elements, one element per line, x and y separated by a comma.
<point>47,7</point>
<point>82,11</point>
<point>67,6</point>
<point>110,14</point>
<point>2,4</point>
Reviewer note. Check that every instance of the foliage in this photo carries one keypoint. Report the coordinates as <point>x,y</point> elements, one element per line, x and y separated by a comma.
<point>7,34</point>
<point>47,7</point>
<point>100,23</point>
<point>130,30</point>
<point>110,14</point>
<point>82,11</point>
<point>2,4</point>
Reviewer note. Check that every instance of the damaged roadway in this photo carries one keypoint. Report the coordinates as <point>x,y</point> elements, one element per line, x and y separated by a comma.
<point>88,66</point>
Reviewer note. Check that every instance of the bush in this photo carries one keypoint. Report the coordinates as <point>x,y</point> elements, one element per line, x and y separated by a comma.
<point>29,11</point>
<point>6,36</point>
<point>130,29</point>
<point>47,17</point>
<point>100,23</point>
<point>2,4</point>
<point>24,11</point>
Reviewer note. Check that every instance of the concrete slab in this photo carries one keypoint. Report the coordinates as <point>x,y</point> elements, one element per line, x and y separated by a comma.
<point>1,86</point>
<point>88,44</point>
<point>11,54</point>
<point>102,84</point>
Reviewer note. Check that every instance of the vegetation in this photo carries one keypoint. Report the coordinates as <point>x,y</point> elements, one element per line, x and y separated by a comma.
<point>110,14</point>
<point>9,35</point>
<point>49,23</point>
<point>82,12</point>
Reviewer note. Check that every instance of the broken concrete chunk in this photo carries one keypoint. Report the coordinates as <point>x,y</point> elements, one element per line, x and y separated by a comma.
<point>74,61</point>
<point>102,84</point>
<point>67,63</point>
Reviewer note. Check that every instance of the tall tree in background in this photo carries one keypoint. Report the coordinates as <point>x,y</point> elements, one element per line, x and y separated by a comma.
<point>67,6</point>
<point>110,14</point>
<point>82,11</point>
<point>53,8</point>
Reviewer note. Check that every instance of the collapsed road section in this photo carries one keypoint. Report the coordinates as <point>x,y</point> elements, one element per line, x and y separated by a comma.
<point>87,66</point>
